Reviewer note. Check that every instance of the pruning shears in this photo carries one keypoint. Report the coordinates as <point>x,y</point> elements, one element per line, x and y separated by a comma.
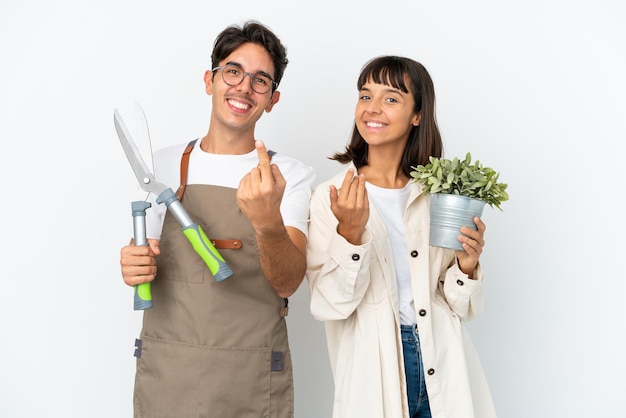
<point>194,233</point>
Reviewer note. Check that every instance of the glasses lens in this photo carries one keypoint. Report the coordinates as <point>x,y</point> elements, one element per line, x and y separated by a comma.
<point>234,75</point>
<point>261,83</point>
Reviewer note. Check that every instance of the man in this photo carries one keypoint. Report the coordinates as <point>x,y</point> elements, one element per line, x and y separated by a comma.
<point>220,349</point>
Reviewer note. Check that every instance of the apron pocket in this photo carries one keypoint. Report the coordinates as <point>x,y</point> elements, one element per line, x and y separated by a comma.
<point>180,380</point>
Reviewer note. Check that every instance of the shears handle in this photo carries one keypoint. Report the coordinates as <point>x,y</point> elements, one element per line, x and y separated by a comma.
<point>207,251</point>
<point>196,236</point>
<point>143,292</point>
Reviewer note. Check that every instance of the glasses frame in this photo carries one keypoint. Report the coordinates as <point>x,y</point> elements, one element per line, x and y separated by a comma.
<point>272,88</point>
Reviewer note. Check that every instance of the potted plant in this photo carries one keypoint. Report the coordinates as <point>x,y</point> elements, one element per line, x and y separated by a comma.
<point>459,190</point>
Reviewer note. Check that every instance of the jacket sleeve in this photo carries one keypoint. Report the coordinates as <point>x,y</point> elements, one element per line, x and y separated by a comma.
<point>337,271</point>
<point>463,295</point>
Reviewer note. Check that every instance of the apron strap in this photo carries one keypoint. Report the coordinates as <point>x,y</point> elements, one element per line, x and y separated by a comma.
<point>231,244</point>
<point>184,167</point>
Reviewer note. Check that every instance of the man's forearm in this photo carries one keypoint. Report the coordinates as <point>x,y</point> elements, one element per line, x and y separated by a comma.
<point>283,263</point>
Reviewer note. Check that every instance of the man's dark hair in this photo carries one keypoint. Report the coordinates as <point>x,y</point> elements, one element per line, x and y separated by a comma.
<point>234,36</point>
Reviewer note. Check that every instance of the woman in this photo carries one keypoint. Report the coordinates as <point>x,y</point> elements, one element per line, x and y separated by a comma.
<point>392,305</point>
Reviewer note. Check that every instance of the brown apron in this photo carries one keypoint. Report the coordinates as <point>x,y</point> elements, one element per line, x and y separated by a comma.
<point>211,349</point>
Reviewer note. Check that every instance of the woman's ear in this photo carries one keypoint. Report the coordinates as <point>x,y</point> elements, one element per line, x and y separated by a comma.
<point>416,119</point>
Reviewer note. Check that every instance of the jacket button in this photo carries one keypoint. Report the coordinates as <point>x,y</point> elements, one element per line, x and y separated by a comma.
<point>460,282</point>
<point>431,371</point>
<point>414,253</point>
<point>356,257</point>
<point>422,312</point>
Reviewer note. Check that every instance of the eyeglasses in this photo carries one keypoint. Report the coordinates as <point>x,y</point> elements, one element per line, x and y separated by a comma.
<point>234,75</point>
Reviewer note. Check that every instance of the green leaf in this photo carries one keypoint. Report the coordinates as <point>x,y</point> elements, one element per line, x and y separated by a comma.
<point>461,177</point>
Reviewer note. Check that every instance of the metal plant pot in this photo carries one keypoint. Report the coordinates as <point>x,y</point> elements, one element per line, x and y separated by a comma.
<point>448,213</point>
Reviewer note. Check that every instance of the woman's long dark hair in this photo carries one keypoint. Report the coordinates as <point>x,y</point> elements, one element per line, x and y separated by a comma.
<point>425,139</point>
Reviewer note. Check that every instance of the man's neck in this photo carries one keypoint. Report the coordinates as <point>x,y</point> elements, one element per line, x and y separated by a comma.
<point>234,143</point>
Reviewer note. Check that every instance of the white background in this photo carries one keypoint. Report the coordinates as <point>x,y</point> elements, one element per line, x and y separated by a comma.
<point>534,89</point>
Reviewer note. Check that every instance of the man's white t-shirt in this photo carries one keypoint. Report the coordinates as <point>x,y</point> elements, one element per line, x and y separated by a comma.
<point>227,171</point>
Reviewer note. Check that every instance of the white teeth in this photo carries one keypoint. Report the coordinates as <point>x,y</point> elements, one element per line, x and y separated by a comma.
<point>238,105</point>
<point>374,125</point>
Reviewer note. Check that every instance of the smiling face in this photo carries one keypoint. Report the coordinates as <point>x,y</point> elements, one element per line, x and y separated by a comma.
<point>385,115</point>
<point>238,108</point>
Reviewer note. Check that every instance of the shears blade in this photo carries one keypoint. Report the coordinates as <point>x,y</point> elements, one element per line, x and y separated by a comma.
<point>143,174</point>
<point>142,136</point>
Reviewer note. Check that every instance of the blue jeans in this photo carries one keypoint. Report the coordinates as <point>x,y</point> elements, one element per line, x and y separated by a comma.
<point>414,370</point>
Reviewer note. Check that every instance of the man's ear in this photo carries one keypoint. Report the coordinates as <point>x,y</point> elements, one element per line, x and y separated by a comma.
<point>274,99</point>
<point>208,82</point>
